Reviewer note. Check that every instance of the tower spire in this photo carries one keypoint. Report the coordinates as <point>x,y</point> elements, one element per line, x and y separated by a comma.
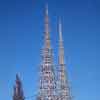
<point>61,47</point>
<point>63,81</point>
<point>47,76</point>
<point>18,91</point>
<point>47,35</point>
<point>60,30</point>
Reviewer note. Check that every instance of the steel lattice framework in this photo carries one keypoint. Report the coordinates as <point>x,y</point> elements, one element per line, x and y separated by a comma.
<point>18,91</point>
<point>63,85</point>
<point>47,77</point>
<point>53,87</point>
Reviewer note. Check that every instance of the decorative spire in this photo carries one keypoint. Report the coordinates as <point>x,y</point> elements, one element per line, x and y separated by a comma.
<point>63,81</point>
<point>47,35</point>
<point>60,30</point>
<point>61,48</point>
<point>18,91</point>
<point>47,76</point>
<point>17,78</point>
<point>47,9</point>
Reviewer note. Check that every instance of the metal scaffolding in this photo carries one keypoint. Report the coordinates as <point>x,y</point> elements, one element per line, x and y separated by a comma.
<point>18,91</point>
<point>53,83</point>
<point>53,86</point>
<point>47,77</point>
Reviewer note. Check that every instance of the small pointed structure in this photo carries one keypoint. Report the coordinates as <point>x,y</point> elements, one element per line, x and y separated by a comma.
<point>61,47</point>
<point>18,91</point>
<point>63,86</point>
<point>47,35</point>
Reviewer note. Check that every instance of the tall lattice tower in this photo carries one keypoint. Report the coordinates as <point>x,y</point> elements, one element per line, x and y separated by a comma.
<point>63,86</point>
<point>18,91</point>
<point>47,77</point>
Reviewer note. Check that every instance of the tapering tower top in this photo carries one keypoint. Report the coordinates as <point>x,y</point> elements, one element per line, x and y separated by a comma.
<point>62,75</point>
<point>60,30</point>
<point>47,35</point>
<point>47,76</point>
<point>18,91</point>
<point>46,9</point>
<point>17,78</point>
<point>61,47</point>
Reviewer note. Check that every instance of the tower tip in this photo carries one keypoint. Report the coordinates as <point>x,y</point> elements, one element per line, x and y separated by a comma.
<point>59,20</point>
<point>17,77</point>
<point>47,35</point>
<point>46,8</point>
<point>60,29</point>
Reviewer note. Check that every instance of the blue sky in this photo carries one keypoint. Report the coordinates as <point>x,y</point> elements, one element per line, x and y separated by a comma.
<point>21,39</point>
